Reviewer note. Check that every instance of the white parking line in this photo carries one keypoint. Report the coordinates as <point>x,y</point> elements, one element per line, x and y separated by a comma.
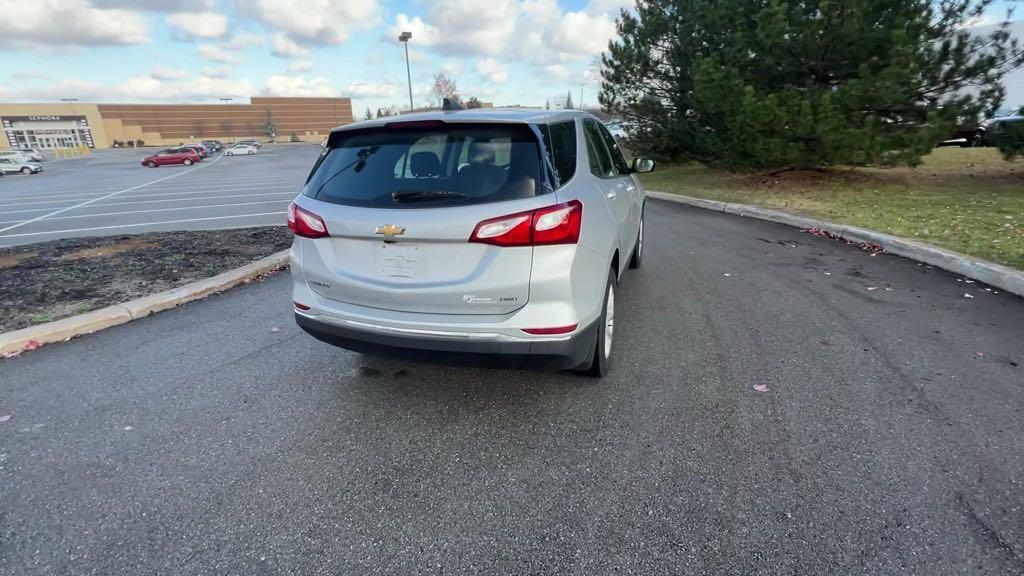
<point>49,193</point>
<point>140,224</point>
<point>111,195</point>
<point>160,210</point>
<point>286,193</point>
<point>213,194</point>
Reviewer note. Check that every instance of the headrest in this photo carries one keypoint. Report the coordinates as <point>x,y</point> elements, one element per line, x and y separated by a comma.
<point>425,165</point>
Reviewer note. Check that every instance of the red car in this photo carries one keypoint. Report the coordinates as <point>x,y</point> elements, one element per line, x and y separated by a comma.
<point>172,156</point>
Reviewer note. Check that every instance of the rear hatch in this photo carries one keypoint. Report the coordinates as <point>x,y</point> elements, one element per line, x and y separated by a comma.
<point>401,202</point>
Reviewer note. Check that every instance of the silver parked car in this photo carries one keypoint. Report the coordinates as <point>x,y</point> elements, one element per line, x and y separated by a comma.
<point>493,236</point>
<point>15,164</point>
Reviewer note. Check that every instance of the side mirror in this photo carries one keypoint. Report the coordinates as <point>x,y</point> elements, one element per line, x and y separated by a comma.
<point>642,165</point>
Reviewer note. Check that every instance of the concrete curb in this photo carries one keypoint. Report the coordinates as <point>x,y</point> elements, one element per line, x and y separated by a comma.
<point>12,343</point>
<point>990,273</point>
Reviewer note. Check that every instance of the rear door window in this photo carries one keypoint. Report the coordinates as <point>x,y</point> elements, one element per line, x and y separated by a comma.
<point>426,167</point>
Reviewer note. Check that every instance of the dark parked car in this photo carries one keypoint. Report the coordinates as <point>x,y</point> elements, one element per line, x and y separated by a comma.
<point>213,145</point>
<point>199,149</point>
<point>999,127</point>
<point>185,156</point>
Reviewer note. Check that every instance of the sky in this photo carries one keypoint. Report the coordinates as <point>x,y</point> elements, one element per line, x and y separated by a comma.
<point>502,51</point>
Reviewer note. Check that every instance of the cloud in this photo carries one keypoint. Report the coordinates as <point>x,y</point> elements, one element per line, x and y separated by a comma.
<point>362,89</point>
<point>282,85</point>
<point>164,73</point>
<point>300,67</point>
<point>538,31</point>
<point>190,25</point>
<point>140,88</point>
<point>451,68</point>
<point>557,71</point>
<point>216,72</point>
<point>68,23</point>
<point>284,47</point>
<point>492,70</point>
<point>156,5</point>
<point>242,41</point>
<point>313,21</point>
<point>216,54</point>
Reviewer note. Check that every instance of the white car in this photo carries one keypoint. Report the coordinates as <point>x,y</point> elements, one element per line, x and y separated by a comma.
<point>239,149</point>
<point>12,165</point>
<point>492,237</point>
<point>33,154</point>
<point>15,155</point>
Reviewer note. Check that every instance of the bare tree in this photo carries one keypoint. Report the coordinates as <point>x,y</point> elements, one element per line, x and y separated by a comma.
<point>443,87</point>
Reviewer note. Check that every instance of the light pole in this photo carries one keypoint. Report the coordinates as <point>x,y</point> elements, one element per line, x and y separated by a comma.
<point>404,38</point>
<point>226,100</point>
<point>581,95</point>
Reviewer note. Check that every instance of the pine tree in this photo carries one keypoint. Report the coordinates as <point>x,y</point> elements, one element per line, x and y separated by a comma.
<point>379,113</point>
<point>368,115</point>
<point>810,83</point>
<point>568,101</point>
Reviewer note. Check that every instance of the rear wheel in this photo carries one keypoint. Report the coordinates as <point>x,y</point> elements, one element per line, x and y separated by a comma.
<point>604,345</point>
<point>638,250</point>
<point>26,170</point>
<point>187,162</point>
<point>250,152</point>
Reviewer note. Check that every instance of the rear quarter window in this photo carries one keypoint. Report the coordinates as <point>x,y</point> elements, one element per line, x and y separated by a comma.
<point>560,141</point>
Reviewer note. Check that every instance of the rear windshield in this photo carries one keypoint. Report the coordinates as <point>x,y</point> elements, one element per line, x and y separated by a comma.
<point>427,167</point>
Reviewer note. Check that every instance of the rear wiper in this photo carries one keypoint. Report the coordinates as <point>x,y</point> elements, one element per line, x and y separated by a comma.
<point>400,195</point>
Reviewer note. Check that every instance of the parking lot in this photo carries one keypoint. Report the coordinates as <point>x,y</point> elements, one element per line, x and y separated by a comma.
<point>109,192</point>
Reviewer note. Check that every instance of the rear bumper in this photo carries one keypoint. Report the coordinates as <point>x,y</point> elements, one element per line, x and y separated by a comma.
<point>540,354</point>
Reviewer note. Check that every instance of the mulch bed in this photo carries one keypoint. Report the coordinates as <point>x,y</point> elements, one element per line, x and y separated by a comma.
<point>53,280</point>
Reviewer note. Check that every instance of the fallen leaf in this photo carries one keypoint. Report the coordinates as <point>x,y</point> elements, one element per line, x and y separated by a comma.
<point>968,295</point>
<point>727,275</point>
<point>127,428</point>
<point>275,329</point>
<point>5,418</point>
<point>828,273</point>
<point>979,354</point>
<point>826,342</point>
<point>761,387</point>
<point>32,345</point>
<point>969,281</point>
<point>872,287</point>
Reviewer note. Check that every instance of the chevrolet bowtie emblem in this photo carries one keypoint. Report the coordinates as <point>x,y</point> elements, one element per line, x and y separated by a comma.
<point>390,230</point>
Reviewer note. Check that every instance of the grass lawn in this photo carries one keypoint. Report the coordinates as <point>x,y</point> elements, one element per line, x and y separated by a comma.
<point>966,199</point>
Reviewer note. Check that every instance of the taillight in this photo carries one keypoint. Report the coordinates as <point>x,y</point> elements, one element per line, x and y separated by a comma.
<point>559,224</point>
<point>306,224</point>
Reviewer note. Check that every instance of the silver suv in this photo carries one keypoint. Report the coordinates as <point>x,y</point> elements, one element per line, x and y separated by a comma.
<point>490,236</point>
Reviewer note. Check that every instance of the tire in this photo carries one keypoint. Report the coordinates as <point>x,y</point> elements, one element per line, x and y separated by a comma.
<point>250,152</point>
<point>638,250</point>
<point>601,363</point>
<point>152,164</point>
<point>187,162</point>
<point>229,153</point>
<point>26,170</point>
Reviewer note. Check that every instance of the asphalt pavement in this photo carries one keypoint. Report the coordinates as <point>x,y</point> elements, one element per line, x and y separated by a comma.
<point>219,439</point>
<point>109,192</point>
